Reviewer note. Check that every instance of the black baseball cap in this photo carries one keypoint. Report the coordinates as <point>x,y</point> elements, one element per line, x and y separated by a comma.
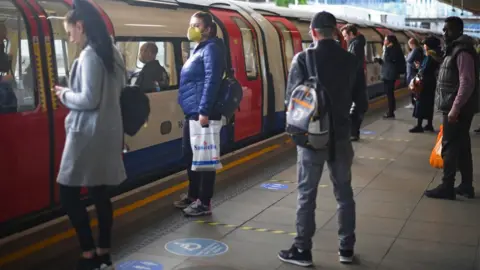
<point>323,20</point>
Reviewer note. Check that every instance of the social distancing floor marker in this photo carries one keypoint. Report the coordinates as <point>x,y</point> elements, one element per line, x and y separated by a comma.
<point>384,139</point>
<point>245,228</point>
<point>375,158</point>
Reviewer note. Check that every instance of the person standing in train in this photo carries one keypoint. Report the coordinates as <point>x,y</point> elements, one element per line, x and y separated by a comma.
<point>200,80</point>
<point>415,55</point>
<point>391,61</point>
<point>337,70</point>
<point>356,46</point>
<point>92,156</point>
<point>428,70</point>
<point>457,99</point>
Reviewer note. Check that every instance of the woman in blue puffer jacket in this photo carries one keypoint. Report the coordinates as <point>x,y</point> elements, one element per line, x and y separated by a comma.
<point>200,81</point>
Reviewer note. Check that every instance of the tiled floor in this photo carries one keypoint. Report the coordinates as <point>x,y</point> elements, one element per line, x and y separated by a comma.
<point>397,227</point>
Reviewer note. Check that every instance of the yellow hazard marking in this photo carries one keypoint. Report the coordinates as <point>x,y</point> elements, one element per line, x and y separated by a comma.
<point>375,158</point>
<point>244,228</point>
<point>323,186</point>
<point>385,139</point>
<point>282,181</point>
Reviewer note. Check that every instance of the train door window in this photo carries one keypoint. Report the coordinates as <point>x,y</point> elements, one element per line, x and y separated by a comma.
<point>306,44</point>
<point>369,53</point>
<point>187,50</point>
<point>249,48</point>
<point>17,81</point>
<point>165,57</point>
<point>378,49</point>
<point>287,38</point>
<point>65,51</point>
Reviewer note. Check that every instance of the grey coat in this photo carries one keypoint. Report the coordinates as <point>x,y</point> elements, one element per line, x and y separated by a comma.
<point>93,148</point>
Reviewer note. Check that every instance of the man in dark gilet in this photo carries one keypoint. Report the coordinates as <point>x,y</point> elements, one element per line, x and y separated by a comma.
<point>457,98</point>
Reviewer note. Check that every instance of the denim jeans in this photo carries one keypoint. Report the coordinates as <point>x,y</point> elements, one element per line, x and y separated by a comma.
<point>309,171</point>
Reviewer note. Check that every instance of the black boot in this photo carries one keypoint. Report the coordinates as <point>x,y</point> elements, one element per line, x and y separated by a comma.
<point>442,191</point>
<point>416,129</point>
<point>465,190</point>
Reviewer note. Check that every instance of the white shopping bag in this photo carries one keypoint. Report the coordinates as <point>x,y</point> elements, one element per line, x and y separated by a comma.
<point>205,142</point>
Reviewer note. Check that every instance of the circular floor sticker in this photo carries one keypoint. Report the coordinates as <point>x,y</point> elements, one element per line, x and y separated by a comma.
<point>367,132</point>
<point>198,247</point>
<point>274,186</point>
<point>144,265</point>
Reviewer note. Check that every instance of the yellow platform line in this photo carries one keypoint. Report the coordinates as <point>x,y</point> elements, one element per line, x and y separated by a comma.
<point>244,228</point>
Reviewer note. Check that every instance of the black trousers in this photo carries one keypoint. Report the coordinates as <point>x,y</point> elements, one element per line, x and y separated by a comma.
<point>457,150</point>
<point>389,88</point>
<point>201,184</point>
<point>77,213</point>
<point>357,119</point>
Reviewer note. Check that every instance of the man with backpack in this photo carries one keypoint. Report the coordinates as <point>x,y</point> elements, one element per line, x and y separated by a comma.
<point>334,71</point>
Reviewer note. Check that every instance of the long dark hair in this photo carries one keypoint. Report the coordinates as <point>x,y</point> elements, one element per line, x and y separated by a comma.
<point>95,30</point>
<point>207,20</point>
<point>393,39</point>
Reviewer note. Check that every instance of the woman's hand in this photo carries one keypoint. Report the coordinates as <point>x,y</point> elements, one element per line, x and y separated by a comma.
<point>203,120</point>
<point>58,90</point>
<point>417,64</point>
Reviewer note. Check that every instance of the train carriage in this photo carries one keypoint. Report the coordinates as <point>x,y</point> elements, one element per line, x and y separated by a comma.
<point>261,43</point>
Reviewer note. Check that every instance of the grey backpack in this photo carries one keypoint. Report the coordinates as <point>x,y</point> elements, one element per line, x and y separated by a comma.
<point>308,114</point>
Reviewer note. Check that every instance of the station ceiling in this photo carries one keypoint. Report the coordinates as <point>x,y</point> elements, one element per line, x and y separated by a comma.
<point>468,5</point>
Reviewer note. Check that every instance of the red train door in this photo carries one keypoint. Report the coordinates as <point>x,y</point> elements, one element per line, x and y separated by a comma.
<point>25,155</point>
<point>290,39</point>
<point>246,65</point>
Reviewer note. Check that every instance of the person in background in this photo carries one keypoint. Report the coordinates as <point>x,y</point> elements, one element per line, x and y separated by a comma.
<point>356,46</point>
<point>415,55</point>
<point>390,73</point>
<point>200,80</point>
<point>153,77</point>
<point>428,70</point>
<point>337,70</point>
<point>457,99</point>
<point>92,156</point>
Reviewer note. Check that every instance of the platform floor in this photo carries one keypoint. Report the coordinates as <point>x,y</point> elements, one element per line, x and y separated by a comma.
<point>397,227</point>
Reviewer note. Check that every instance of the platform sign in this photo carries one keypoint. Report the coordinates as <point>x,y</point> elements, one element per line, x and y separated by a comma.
<point>367,132</point>
<point>198,247</point>
<point>274,186</point>
<point>137,265</point>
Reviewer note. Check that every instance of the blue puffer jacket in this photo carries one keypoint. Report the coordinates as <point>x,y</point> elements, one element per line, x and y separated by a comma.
<point>201,77</point>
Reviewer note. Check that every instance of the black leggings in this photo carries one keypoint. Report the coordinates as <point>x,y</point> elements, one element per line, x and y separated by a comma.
<point>77,212</point>
<point>389,88</point>
<point>201,184</point>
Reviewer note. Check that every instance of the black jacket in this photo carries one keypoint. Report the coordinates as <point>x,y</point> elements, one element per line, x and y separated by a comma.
<point>152,72</point>
<point>391,58</point>
<point>337,71</point>
<point>357,48</point>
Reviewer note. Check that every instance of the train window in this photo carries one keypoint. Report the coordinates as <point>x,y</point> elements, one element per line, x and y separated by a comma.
<point>378,49</point>
<point>305,45</point>
<point>287,38</point>
<point>369,52</point>
<point>17,83</point>
<point>249,48</point>
<point>165,57</point>
<point>187,50</point>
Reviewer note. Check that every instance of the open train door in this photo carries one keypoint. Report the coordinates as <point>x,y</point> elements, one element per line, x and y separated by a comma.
<point>245,63</point>
<point>290,39</point>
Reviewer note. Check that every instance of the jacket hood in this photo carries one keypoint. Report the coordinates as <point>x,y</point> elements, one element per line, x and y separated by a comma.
<point>360,39</point>
<point>464,39</point>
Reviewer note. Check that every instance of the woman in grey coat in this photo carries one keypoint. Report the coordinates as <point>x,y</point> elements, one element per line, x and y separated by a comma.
<point>92,156</point>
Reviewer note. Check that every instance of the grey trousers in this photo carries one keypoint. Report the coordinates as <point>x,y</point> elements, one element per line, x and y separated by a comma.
<point>309,171</point>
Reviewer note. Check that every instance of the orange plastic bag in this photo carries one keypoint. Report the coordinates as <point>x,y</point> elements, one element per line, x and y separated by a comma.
<point>436,160</point>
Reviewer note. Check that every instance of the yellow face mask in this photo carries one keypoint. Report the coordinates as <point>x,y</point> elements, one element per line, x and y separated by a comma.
<point>194,34</point>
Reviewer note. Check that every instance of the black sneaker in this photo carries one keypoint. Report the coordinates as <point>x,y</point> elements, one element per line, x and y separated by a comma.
<point>416,129</point>
<point>389,116</point>
<point>105,262</point>
<point>345,256</point>
<point>294,256</point>
<point>429,128</point>
<point>466,191</point>
<point>196,209</point>
<point>354,138</point>
<point>87,264</point>
<point>441,192</point>
<point>184,202</point>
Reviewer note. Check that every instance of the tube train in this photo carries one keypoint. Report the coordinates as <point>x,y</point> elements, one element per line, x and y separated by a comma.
<point>261,43</point>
